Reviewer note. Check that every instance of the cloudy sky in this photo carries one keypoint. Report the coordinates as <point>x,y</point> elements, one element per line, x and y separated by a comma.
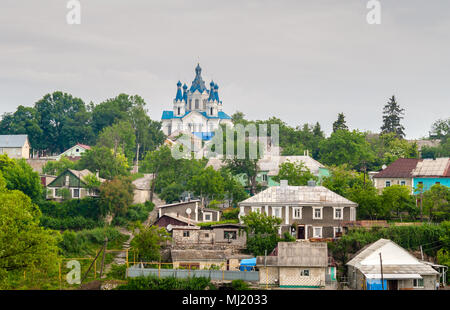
<point>299,60</point>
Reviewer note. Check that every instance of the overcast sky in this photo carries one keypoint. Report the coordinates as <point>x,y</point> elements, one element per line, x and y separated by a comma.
<point>300,60</point>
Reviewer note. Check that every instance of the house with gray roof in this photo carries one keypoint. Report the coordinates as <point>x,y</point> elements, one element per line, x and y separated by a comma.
<point>386,265</point>
<point>306,211</point>
<point>15,146</point>
<point>295,264</point>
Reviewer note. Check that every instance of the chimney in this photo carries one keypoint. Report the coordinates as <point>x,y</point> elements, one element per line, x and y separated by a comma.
<point>283,183</point>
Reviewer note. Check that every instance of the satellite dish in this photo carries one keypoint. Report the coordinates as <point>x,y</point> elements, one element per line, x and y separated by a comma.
<point>188,211</point>
<point>169,227</point>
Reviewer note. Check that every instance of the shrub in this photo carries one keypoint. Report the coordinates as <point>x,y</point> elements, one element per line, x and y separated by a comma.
<point>239,285</point>
<point>168,283</point>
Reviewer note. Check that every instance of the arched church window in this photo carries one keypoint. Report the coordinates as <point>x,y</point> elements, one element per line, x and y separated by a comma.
<point>178,111</point>
<point>197,104</point>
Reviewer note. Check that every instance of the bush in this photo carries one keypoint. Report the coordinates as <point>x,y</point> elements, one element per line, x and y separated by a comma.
<point>239,285</point>
<point>88,241</point>
<point>231,214</point>
<point>137,212</point>
<point>117,272</point>
<point>168,283</point>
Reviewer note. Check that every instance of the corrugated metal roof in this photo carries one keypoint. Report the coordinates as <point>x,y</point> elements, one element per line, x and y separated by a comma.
<point>13,140</point>
<point>396,260</point>
<point>197,255</point>
<point>271,163</point>
<point>297,194</point>
<point>432,167</point>
<point>298,254</point>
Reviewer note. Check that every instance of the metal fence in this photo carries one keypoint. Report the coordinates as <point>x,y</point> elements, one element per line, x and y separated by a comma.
<point>218,275</point>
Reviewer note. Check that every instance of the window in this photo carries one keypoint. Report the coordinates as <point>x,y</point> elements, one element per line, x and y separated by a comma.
<point>76,193</point>
<point>229,234</point>
<point>417,283</point>
<point>297,213</point>
<point>264,177</point>
<point>438,183</point>
<point>67,180</point>
<point>304,273</point>
<point>211,111</point>
<point>256,209</point>
<point>57,192</point>
<point>178,111</point>
<point>317,232</point>
<point>206,235</point>
<point>388,183</point>
<point>207,217</point>
<point>197,104</point>
<point>317,213</point>
<point>276,212</point>
<point>337,232</point>
<point>185,233</point>
<point>77,150</point>
<point>403,182</point>
<point>338,214</point>
<point>352,214</point>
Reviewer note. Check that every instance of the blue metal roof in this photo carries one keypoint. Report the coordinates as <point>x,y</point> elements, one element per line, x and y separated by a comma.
<point>169,115</point>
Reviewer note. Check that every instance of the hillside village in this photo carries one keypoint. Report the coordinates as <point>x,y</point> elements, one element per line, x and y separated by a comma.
<point>98,184</point>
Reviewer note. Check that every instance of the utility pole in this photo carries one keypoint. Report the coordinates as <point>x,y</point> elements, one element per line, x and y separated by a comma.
<point>381,267</point>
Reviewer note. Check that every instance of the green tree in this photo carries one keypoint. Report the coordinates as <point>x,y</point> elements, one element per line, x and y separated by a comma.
<point>440,129</point>
<point>262,232</point>
<point>19,175</point>
<point>398,199</point>
<point>57,114</point>
<point>296,173</point>
<point>103,160</point>
<point>116,196</point>
<point>436,202</point>
<point>392,115</point>
<point>24,245</point>
<point>234,191</point>
<point>172,192</point>
<point>340,123</point>
<point>346,147</point>
<point>208,184</point>
<point>56,167</point>
<point>120,137</point>
<point>23,121</point>
<point>148,242</point>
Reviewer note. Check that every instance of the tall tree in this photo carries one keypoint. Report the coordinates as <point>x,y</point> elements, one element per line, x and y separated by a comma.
<point>24,245</point>
<point>340,123</point>
<point>392,115</point>
<point>103,160</point>
<point>58,114</point>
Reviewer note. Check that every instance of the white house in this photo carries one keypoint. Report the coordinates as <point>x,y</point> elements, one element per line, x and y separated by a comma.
<point>15,146</point>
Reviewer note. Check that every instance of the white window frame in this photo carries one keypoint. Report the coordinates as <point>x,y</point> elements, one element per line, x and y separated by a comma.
<point>417,281</point>
<point>334,213</point>
<point>314,213</point>
<point>210,216</point>
<point>403,181</point>
<point>256,209</point>
<point>386,183</point>
<point>314,231</point>
<point>294,210</point>
<point>302,273</point>
<point>73,191</point>
<point>335,230</point>
<point>278,209</point>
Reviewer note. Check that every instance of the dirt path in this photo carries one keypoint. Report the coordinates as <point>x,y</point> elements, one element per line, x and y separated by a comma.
<point>120,257</point>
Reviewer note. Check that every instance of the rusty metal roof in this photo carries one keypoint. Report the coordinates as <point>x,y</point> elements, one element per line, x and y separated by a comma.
<point>401,168</point>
